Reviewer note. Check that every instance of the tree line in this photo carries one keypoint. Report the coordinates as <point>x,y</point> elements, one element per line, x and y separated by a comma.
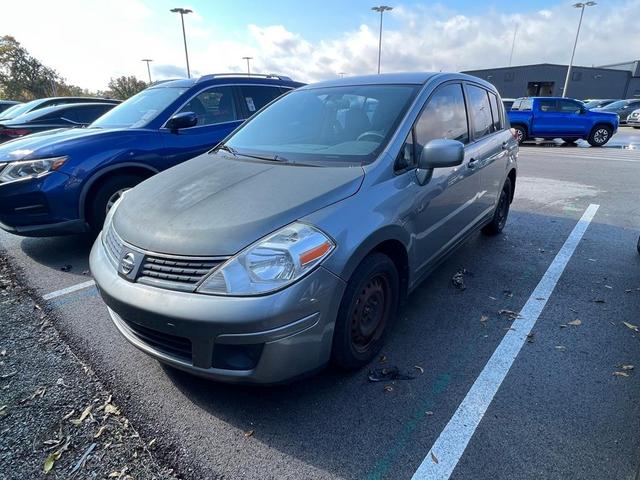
<point>23,78</point>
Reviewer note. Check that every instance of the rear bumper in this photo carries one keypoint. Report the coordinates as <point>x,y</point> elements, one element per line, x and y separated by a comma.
<point>261,340</point>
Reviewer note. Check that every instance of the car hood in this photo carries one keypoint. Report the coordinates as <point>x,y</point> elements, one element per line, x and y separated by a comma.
<point>216,206</point>
<point>48,143</point>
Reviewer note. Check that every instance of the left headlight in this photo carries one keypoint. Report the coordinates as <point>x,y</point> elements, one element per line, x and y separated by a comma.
<point>25,169</point>
<point>272,263</point>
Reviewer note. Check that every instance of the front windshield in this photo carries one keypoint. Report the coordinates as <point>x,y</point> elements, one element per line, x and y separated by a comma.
<point>140,109</point>
<point>19,109</point>
<point>331,125</point>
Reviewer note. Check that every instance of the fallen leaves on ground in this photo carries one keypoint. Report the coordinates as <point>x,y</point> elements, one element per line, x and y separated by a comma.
<point>434,459</point>
<point>631,327</point>
<point>483,320</point>
<point>620,374</point>
<point>575,322</point>
<point>530,337</point>
<point>249,433</point>
<point>388,388</point>
<point>50,461</point>
<point>83,415</point>
<point>627,367</point>
<point>419,368</point>
<point>562,348</point>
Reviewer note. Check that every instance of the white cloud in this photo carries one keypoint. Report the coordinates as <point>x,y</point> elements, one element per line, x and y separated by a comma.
<point>88,42</point>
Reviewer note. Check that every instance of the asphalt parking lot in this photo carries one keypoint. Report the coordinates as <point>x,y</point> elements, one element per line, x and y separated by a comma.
<point>560,411</point>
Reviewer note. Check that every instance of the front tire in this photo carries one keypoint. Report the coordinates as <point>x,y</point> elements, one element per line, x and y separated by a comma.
<point>501,213</point>
<point>368,307</point>
<point>106,195</point>
<point>599,136</point>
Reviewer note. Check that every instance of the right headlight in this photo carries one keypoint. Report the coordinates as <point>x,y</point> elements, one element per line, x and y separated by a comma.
<point>272,263</point>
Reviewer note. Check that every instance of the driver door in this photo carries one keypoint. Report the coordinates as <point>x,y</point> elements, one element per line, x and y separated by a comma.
<point>218,115</point>
<point>446,206</point>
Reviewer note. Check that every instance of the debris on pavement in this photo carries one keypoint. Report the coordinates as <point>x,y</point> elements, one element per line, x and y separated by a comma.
<point>458,279</point>
<point>575,322</point>
<point>66,268</point>
<point>631,326</point>
<point>50,400</point>
<point>509,314</point>
<point>387,374</point>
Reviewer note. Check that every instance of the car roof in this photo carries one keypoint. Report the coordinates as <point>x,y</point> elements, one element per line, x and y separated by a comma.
<point>402,78</point>
<point>218,78</point>
<point>34,114</point>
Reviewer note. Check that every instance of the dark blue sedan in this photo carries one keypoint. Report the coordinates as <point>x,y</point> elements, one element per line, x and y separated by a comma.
<point>64,182</point>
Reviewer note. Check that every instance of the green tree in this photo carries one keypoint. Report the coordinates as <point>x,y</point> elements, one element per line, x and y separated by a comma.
<point>125,87</point>
<point>23,77</point>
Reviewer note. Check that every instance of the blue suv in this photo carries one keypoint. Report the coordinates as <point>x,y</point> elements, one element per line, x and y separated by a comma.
<point>64,181</point>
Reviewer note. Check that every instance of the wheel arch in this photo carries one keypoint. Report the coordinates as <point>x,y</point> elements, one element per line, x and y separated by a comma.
<point>393,242</point>
<point>97,178</point>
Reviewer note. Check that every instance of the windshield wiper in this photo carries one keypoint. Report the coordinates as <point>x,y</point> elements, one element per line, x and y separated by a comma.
<point>227,148</point>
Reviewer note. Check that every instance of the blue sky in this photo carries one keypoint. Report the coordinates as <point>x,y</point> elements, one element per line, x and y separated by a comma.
<point>90,41</point>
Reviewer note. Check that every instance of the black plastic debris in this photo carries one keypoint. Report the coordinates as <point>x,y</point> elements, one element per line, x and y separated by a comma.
<point>386,374</point>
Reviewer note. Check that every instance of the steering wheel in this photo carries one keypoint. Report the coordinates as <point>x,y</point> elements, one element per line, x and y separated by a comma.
<point>370,133</point>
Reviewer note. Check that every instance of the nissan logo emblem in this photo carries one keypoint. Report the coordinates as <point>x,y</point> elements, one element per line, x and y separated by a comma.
<point>127,263</point>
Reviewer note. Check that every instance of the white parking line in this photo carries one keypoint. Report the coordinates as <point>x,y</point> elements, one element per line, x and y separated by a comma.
<point>453,440</point>
<point>65,291</point>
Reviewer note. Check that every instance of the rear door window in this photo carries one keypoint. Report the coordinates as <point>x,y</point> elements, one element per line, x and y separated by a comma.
<point>480,111</point>
<point>547,105</point>
<point>85,114</point>
<point>254,97</point>
<point>444,116</point>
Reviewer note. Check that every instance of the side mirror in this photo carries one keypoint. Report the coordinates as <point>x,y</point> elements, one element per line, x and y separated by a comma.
<point>182,120</point>
<point>439,153</point>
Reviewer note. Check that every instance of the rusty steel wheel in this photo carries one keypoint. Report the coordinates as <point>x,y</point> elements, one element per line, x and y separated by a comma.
<point>369,316</point>
<point>368,307</point>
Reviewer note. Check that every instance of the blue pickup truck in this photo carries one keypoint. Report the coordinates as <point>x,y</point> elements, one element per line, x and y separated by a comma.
<point>556,117</point>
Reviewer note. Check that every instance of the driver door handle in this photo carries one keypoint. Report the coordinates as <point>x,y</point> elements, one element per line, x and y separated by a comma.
<point>472,163</point>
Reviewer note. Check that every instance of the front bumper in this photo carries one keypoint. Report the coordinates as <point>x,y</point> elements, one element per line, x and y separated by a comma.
<point>287,334</point>
<point>41,206</point>
<point>633,121</point>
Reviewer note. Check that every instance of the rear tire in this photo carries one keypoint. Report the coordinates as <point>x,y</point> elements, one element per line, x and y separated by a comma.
<point>368,307</point>
<point>600,135</point>
<point>501,213</point>
<point>104,197</point>
<point>521,133</point>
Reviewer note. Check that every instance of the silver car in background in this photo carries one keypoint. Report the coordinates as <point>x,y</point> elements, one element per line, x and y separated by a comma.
<point>633,120</point>
<point>291,244</point>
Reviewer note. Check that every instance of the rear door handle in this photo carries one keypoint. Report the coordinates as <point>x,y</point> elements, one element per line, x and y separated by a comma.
<point>472,163</point>
<point>505,146</point>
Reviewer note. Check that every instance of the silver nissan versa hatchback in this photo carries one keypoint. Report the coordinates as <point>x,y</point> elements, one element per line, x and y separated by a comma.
<point>291,244</point>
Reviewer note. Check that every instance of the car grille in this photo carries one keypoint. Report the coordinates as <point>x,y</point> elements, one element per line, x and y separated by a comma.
<point>163,271</point>
<point>113,246</point>
<point>177,273</point>
<point>170,344</point>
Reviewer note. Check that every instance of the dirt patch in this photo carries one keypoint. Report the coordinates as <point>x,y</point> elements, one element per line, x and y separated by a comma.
<point>55,416</point>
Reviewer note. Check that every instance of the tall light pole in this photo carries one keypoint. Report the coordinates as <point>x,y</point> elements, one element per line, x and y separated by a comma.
<point>581,6</point>
<point>381,9</point>
<point>513,44</point>
<point>147,60</point>
<point>248,59</point>
<point>183,12</point>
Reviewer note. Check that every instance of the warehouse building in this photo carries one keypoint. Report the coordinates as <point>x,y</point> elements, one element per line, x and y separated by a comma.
<point>620,80</point>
